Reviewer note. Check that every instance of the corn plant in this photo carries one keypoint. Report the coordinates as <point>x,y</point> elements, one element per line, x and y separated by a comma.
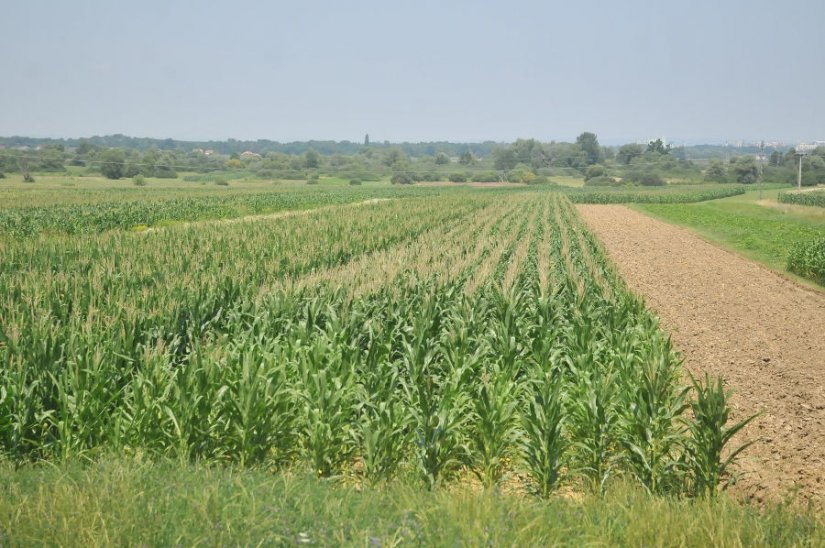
<point>710,435</point>
<point>543,447</point>
<point>651,435</point>
<point>495,402</point>
<point>595,421</point>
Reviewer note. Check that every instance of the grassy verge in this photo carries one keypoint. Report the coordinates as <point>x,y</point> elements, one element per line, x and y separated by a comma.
<point>127,501</point>
<point>758,227</point>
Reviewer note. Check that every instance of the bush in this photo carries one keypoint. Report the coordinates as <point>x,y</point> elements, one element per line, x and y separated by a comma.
<point>651,179</point>
<point>457,178</point>
<point>521,174</point>
<point>428,176</point>
<point>600,181</point>
<point>2,175</point>
<point>595,171</point>
<point>541,180</point>
<point>644,178</point>
<point>401,179</point>
<point>355,182</point>
<point>485,177</point>
<point>28,178</point>
<point>138,180</point>
<point>221,182</point>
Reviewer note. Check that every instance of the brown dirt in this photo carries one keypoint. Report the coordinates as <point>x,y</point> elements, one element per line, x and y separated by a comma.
<point>729,316</point>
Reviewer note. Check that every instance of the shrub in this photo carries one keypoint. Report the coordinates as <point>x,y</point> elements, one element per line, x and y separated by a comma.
<point>541,180</point>
<point>457,178</point>
<point>28,178</point>
<point>428,176</point>
<point>595,171</point>
<point>221,182</point>
<point>2,175</point>
<point>401,179</point>
<point>600,181</point>
<point>355,182</point>
<point>138,180</point>
<point>485,177</point>
<point>644,178</point>
<point>521,174</point>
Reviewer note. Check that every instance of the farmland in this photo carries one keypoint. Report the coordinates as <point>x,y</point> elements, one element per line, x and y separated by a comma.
<point>412,336</point>
<point>427,339</point>
<point>757,225</point>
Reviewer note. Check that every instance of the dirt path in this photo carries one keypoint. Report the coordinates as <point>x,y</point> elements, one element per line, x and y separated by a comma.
<point>728,316</point>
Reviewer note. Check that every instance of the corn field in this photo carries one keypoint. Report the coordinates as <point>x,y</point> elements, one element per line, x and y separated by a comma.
<point>432,339</point>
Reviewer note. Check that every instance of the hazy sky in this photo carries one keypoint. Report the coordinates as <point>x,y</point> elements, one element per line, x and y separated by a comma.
<point>698,71</point>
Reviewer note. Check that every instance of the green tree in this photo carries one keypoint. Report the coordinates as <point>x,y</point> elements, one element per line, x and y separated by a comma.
<point>596,170</point>
<point>312,160</point>
<point>467,158</point>
<point>716,172</point>
<point>504,158</point>
<point>745,170</point>
<point>442,159</point>
<point>395,157</point>
<point>589,143</point>
<point>658,146</point>
<point>628,152</point>
<point>112,163</point>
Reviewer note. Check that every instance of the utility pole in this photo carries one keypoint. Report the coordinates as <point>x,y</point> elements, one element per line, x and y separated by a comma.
<point>799,177</point>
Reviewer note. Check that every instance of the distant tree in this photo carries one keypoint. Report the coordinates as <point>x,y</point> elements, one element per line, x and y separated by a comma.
<point>442,159</point>
<point>312,160</point>
<point>367,140</point>
<point>658,146</point>
<point>466,158</point>
<point>715,172</point>
<point>85,147</point>
<point>112,163</point>
<point>401,179</point>
<point>628,152</point>
<point>504,158</point>
<point>589,143</point>
<point>596,170</point>
<point>745,170</point>
<point>395,157</point>
<point>521,174</point>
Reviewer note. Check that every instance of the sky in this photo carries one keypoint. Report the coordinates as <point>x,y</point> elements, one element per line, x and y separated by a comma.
<point>694,72</point>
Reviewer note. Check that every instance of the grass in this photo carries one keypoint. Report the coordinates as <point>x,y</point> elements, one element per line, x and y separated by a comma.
<point>136,502</point>
<point>565,180</point>
<point>758,227</point>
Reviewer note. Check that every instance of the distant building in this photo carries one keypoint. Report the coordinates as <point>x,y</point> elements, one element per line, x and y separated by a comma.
<point>806,148</point>
<point>249,154</point>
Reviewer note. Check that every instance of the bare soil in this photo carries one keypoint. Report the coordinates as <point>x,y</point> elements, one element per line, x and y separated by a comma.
<point>731,317</point>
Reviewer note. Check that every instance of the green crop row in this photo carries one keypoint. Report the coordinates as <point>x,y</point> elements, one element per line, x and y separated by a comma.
<point>87,218</point>
<point>426,339</point>
<point>669,195</point>
<point>809,198</point>
<point>807,258</point>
